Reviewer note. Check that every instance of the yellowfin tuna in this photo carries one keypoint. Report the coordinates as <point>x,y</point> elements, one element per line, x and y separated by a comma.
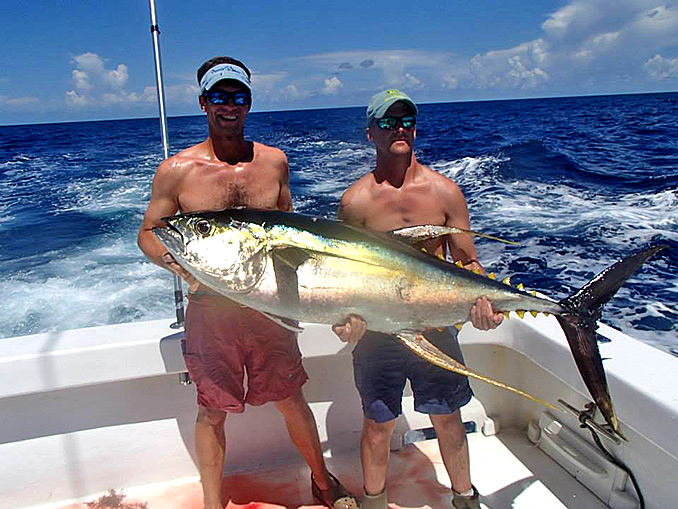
<point>316,270</point>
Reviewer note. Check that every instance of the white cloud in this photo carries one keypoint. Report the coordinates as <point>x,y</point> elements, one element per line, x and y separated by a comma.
<point>332,85</point>
<point>118,77</point>
<point>96,86</point>
<point>292,92</point>
<point>412,82</point>
<point>520,67</point>
<point>18,101</point>
<point>449,81</point>
<point>371,70</point>
<point>586,41</point>
<point>660,68</point>
<point>73,98</point>
<point>81,80</point>
<point>267,81</point>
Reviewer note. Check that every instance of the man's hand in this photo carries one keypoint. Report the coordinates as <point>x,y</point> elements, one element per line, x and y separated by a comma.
<point>352,330</point>
<point>483,316</point>
<point>173,266</point>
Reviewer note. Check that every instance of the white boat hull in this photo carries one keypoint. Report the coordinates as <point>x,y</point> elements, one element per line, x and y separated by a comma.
<point>88,410</point>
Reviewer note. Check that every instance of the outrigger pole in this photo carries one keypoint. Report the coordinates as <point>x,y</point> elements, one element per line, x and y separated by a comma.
<point>155,33</point>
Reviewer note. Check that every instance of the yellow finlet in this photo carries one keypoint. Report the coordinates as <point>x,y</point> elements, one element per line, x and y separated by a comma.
<point>459,264</point>
<point>521,313</point>
<point>534,313</point>
<point>506,314</point>
<point>520,286</point>
<point>459,325</point>
<point>492,275</point>
<point>476,271</point>
<point>507,280</point>
<point>533,293</point>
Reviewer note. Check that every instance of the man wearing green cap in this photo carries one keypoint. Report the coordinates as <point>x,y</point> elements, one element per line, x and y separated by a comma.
<point>402,192</point>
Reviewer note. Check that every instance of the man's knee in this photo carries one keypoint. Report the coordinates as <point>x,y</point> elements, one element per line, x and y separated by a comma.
<point>293,403</point>
<point>451,427</point>
<point>378,433</point>
<point>210,416</point>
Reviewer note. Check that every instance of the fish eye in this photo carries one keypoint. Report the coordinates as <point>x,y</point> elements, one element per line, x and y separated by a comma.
<point>203,227</point>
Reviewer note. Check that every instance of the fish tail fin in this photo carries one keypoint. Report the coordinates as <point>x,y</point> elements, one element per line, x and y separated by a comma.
<point>583,310</point>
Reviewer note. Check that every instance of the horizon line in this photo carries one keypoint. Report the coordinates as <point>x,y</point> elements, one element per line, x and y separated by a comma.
<point>119,119</point>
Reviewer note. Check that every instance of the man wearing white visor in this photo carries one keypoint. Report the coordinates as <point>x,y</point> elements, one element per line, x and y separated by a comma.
<point>225,341</point>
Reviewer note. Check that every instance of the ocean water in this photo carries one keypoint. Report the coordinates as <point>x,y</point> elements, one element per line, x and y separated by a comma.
<point>579,182</point>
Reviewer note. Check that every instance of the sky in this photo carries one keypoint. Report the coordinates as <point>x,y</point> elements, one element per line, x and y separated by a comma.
<point>90,60</point>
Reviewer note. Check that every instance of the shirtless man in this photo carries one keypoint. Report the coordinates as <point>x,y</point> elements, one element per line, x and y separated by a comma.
<point>402,192</point>
<point>223,339</point>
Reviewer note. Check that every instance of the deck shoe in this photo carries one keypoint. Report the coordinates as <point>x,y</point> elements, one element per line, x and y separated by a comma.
<point>461,502</point>
<point>375,501</point>
<point>336,496</point>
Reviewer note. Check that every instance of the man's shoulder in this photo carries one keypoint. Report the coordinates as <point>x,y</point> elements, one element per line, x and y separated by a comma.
<point>199,150</point>
<point>360,187</point>
<point>441,182</point>
<point>188,156</point>
<point>268,152</point>
<point>355,200</point>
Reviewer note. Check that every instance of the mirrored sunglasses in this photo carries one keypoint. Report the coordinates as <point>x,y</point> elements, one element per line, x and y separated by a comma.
<point>219,97</point>
<point>408,122</point>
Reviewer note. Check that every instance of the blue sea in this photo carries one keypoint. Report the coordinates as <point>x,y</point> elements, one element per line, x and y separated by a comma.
<point>579,182</point>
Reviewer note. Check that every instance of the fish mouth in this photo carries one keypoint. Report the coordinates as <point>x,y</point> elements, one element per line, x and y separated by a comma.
<point>171,238</point>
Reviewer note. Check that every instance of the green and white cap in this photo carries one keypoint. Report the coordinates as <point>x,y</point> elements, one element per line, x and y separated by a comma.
<point>384,100</point>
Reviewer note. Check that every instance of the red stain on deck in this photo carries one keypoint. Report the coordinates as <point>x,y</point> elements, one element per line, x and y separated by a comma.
<point>412,483</point>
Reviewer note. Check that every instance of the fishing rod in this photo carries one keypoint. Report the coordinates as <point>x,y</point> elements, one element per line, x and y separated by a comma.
<point>155,33</point>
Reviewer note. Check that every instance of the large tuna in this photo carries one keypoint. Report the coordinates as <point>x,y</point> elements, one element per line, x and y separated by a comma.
<point>316,270</point>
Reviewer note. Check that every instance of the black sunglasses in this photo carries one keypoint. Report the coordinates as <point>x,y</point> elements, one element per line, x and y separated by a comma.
<point>408,122</point>
<point>218,97</point>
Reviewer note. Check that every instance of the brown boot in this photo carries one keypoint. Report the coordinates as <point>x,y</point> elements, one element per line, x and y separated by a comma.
<point>461,502</point>
<point>374,501</point>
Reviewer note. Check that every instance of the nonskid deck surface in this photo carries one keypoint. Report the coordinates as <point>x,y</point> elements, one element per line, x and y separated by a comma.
<point>507,469</point>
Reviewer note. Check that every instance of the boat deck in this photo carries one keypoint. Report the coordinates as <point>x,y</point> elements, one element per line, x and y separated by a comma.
<point>508,470</point>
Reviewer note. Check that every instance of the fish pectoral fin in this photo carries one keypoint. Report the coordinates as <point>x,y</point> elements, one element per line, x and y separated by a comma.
<point>286,261</point>
<point>414,234</point>
<point>425,349</point>
<point>293,257</point>
<point>285,323</point>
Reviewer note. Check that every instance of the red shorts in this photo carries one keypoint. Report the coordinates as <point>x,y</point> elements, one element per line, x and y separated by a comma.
<point>225,341</point>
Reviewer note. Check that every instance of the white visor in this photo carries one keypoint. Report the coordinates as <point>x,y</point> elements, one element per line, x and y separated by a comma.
<point>224,72</point>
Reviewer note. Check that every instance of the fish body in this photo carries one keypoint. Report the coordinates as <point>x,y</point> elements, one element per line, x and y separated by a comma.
<point>320,271</point>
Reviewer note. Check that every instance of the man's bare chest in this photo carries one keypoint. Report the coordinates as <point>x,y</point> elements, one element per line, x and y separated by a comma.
<point>388,212</point>
<point>224,189</point>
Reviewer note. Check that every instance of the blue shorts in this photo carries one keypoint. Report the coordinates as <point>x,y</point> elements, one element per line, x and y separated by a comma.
<point>382,364</point>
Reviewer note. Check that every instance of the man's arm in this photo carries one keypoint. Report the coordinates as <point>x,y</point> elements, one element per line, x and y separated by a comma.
<point>354,327</point>
<point>350,209</point>
<point>461,248</point>
<point>164,202</point>
<point>285,196</point>
<point>459,245</point>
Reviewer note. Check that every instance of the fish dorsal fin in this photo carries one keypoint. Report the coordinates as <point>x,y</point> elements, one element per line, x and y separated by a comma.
<point>285,323</point>
<point>425,349</point>
<point>286,261</point>
<point>414,234</point>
